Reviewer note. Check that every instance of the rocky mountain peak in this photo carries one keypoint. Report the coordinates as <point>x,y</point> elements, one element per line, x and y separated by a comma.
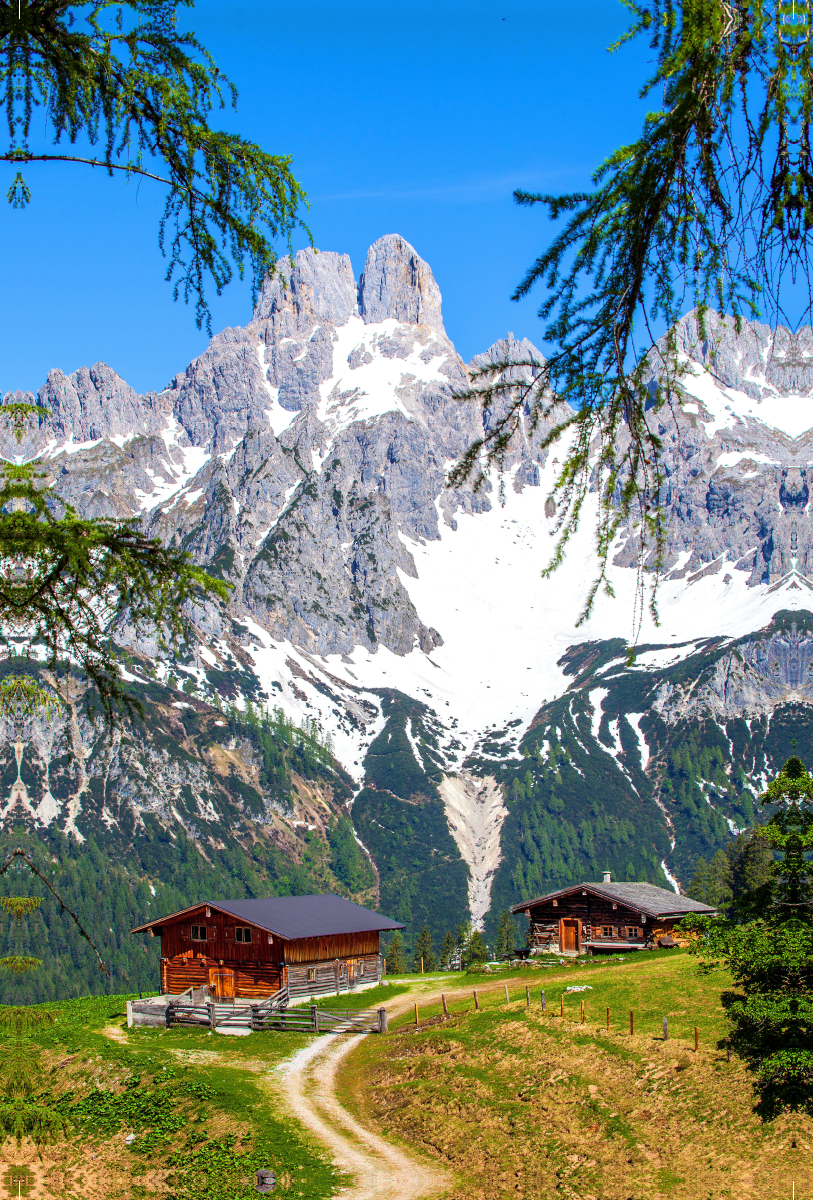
<point>397,283</point>
<point>757,360</point>
<point>318,286</point>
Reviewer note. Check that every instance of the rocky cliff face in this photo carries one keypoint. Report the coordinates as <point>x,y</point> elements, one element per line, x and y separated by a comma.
<point>304,458</point>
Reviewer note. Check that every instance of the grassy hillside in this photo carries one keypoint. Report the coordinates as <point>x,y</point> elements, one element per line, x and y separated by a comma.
<point>203,1110</point>
<point>521,1103</point>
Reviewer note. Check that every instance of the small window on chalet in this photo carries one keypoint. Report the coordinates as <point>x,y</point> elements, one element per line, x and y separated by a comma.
<point>198,933</point>
<point>607,931</point>
<point>633,931</point>
<point>311,974</point>
<point>242,934</point>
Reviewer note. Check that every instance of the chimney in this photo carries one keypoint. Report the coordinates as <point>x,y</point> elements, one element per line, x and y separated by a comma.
<point>608,877</point>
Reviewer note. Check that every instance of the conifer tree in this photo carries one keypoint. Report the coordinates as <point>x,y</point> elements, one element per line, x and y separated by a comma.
<point>712,883</point>
<point>462,939</point>
<point>447,953</point>
<point>504,946</point>
<point>424,952</point>
<point>396,964</point>
<point>770,952</point>
<point>476,951</point>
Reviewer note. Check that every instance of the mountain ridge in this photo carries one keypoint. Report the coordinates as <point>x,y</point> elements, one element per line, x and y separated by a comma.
<point>304,457</point>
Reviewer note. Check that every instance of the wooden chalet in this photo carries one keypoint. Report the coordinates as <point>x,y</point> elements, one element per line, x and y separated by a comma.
<point>252,948</point>
<point>592,917</point>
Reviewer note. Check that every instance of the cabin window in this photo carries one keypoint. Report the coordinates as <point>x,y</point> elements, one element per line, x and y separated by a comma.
<point>633,931</point>
<point>311,974</point>
<point>607,931</point>
<point>242,934</point>
<point>198,933</point>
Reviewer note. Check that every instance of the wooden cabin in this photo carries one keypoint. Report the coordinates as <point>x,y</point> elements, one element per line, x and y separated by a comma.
<point>605,917</point>
<point>252,948</point>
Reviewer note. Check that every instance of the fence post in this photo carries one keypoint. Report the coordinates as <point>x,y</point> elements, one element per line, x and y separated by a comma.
<point>445,1009</point>
<point>382,1020</point>
<point>315,1018</point>
<point>608,1019</point>
<point>416,1012</point>
<point>169,1014</point>
<point>421,964</point>
<point>562,1005</point>
<point>212,1016</point>
<point>255,1018</point>
<point>543,1001</point>
<point>527,996</point>
<point>696,1038</point>
<point>507,1001</point>
<point>728,1048</point>
<point>476,1001</point>
<point>665,1030</point>
<point>582,1012</point>
<point>632,1022</point>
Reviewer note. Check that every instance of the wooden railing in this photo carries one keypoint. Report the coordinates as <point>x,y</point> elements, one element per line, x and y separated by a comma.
<point>272,1014</point>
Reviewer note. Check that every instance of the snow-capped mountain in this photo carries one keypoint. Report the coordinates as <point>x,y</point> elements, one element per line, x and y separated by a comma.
<point>304,458</point>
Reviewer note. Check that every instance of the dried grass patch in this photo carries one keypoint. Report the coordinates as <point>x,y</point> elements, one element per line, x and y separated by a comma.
<point>522,1104</point>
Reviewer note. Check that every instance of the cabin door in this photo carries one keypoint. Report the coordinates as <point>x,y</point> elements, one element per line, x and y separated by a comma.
<point>569,934</point>
<point>221,982</point>
<point>351,972</point>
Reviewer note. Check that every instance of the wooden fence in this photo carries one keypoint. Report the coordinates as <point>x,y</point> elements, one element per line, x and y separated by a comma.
<point>270,1015</point>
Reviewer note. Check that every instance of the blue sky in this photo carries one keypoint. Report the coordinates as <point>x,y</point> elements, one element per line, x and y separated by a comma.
<point>410,118</point>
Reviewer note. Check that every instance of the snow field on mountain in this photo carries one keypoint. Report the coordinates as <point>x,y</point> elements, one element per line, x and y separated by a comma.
<point>376,382</point>
<point>504,628</point>
<point>727,406</point>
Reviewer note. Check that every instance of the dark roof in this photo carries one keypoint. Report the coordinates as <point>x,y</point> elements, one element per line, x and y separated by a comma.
<point>655,901</point>
<point>294,917</point>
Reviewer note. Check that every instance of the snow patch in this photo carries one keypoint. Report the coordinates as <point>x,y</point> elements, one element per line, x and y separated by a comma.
<point>279,418</point>
<point>635,721</point>
<point>724,407</point>
<point>670,876</point>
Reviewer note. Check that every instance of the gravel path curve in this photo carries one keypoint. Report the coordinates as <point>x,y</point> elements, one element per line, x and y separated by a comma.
<point>382,1171</point>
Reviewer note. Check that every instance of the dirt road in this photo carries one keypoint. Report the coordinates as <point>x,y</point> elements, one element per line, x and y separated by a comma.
<point>382,1171</point>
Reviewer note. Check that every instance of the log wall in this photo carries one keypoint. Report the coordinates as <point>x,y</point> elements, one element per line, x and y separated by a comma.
<point>319,949</point>
<point>262,965</point>
<point>180,973</point>
<point>221,942</point>
<point>597,915</point>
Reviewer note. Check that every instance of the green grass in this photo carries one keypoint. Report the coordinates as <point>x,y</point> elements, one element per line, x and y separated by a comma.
<point>202,1107</point>
<point>520,1104</point>
<point>636,983</point>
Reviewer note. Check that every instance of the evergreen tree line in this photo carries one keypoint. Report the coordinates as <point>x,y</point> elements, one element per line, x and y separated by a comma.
<point>764,936</point>
<point>744,865</point>
<point>463,949</point>
<point>283,746</point>
<point>162,874</point>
